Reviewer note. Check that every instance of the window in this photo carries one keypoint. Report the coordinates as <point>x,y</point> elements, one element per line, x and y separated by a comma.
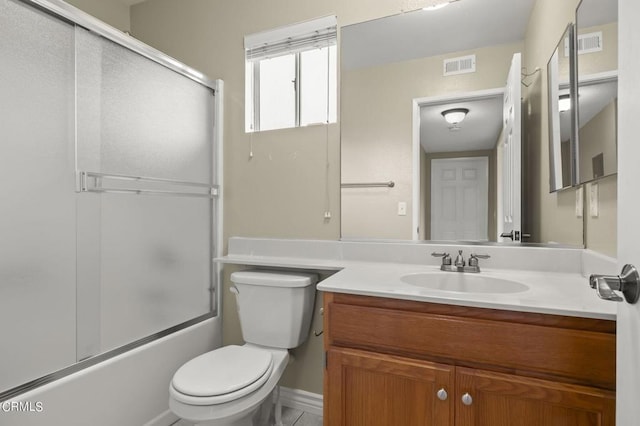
<point>290,78</point>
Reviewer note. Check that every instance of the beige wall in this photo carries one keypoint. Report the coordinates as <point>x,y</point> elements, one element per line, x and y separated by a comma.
<point>598,136</point>
<point>558,221</point>
<point>548,217</point>
<point>112,12</point>
<point>600,231</point>
<point>283,190</point>
<point>376,126</point>
<point>607,58</point>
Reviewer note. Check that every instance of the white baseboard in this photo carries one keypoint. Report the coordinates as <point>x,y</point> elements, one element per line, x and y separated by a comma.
<point>294,398</point>
<point>301,400</point>
<point>164,419</point>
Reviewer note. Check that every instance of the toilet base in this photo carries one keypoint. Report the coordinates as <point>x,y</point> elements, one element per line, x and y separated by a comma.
<point>253,409</point>
<point>259,417</point>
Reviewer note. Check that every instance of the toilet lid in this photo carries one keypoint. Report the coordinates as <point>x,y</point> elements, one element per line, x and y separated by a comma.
<point>223,371</point>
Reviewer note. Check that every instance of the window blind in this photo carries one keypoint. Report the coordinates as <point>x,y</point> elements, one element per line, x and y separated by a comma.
<point>291,39</point>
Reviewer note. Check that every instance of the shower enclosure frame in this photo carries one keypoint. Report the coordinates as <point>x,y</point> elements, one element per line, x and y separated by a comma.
<point>74,16</point>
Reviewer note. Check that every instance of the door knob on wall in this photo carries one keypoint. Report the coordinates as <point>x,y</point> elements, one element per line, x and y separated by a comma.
<point>628,283</point>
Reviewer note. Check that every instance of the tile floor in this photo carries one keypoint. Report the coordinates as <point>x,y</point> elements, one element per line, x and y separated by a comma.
<point>293,417</point>
<point>290,417</point>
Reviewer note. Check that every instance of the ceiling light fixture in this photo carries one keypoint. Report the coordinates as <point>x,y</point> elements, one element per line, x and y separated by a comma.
<point>440,5</point>
<point>436,6</point>
<point>455,115</point>
<point>564,103</point>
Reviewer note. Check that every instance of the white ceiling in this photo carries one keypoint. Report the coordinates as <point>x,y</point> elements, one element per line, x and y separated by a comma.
<point>597,12</point>
<point>462,25</point>
<point>478,131</point>
<point>125,2</point>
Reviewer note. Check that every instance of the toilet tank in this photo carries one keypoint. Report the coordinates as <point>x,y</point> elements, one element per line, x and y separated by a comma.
<point>275,307</point>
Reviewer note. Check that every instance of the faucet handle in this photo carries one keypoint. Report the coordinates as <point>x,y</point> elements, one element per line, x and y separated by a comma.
<point>446,259</point>
<point>480,256</point>
<point>473,259</point>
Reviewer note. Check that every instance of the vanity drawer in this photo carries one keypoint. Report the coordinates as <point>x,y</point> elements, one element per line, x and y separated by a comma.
<point>525,345</point>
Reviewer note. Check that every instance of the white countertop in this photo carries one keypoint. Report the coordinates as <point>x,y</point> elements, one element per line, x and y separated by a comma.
<point>562,292</point>
<point>548,292</point>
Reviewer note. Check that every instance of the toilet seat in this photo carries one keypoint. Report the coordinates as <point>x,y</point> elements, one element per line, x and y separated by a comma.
<point>222,375</point>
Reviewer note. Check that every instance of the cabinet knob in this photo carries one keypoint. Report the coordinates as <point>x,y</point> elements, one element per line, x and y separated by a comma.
<point>466,399</point>
<point>442,395</point>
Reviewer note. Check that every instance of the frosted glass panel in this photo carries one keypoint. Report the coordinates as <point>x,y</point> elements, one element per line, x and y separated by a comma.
<point>155,264</point>
<point>37,199</point>
<point>144,261</point>
<point>82,273</point>
<point>138,118</point>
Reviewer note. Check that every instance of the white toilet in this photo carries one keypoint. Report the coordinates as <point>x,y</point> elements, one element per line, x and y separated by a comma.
<point>233,385</point>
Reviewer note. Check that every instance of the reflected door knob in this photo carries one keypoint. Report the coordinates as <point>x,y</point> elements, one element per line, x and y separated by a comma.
<point>466,399</point>
<point>514,235</point>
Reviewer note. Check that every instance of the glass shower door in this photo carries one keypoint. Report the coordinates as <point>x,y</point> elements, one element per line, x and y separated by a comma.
<point>144,146</point>
<point>106,196</point>
<point>37,197</point>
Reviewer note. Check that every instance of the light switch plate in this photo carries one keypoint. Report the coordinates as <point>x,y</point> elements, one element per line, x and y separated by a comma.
<point>579,202</point>
<point>593,200</point>
<point>402,208</point>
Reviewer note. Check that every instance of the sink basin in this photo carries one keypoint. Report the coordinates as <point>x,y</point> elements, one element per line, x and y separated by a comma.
<point>463,283</point>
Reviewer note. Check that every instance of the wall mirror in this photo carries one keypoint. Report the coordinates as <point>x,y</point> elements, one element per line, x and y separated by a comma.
<point>597,74</point>
<point>562,139</point>
<point>406,69</point>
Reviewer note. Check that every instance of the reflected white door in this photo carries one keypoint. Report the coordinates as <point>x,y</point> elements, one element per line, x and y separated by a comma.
<point>459,199</point>
<point>628,338</point>
<point>509,207</point>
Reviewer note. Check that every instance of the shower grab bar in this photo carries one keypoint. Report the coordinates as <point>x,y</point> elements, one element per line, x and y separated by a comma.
<point>85,185</point>
<point>389,184</point>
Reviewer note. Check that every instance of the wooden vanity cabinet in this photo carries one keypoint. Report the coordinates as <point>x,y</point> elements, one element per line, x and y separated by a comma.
<point>378,390</point>
<point>396,362</point>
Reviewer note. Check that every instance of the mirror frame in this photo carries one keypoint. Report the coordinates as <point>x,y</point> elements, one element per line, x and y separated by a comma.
<point>552,103</point>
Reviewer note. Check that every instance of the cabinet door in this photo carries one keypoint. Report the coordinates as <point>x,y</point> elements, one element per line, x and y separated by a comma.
<point>495,399</point>
<point>368,389</point>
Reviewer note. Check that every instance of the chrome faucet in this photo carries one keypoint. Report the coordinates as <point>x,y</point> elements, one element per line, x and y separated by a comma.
<point>459,264</point>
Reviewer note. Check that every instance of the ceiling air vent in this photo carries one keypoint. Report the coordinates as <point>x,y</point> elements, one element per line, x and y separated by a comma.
<point>587,43</point>
<point>460,65</point>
